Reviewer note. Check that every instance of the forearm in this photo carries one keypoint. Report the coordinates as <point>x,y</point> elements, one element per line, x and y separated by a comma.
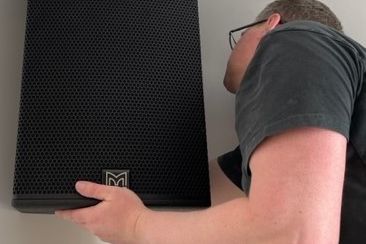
<point>231,222</point>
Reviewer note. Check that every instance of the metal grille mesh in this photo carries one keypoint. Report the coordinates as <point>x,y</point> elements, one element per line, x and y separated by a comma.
<point>111,84</point>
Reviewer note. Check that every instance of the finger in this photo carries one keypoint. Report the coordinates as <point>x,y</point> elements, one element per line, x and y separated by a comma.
<point>92,190</point>
<point>73,216</point>
<point>79,216</point>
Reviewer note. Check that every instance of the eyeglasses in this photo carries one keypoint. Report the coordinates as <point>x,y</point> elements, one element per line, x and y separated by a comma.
<point>232,40</point>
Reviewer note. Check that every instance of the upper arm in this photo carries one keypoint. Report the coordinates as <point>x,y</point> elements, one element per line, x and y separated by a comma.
<point>297,182</point>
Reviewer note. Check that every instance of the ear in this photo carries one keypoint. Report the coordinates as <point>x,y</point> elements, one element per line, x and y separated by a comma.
<point>273,21</point>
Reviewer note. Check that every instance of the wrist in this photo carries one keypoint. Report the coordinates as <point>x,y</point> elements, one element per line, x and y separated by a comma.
<point>140,226</point>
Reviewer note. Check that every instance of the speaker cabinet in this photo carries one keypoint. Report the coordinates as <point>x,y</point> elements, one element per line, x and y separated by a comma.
<point>111,93</point>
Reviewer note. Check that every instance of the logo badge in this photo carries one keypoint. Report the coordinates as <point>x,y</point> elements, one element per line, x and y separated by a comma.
<point>116,178</point>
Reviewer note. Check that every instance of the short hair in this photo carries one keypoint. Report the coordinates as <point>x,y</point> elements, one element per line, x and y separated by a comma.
<point>291,10</point>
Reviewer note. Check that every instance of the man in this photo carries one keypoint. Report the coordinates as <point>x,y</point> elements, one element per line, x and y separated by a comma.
<point>301,124</point>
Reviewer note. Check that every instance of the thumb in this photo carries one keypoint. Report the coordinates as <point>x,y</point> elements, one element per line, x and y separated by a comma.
<point>92,190</point>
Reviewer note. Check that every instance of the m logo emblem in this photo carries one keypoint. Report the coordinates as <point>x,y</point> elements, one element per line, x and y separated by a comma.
<point>116,178</point>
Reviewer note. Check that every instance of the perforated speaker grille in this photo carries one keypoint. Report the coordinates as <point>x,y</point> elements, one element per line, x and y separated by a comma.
<point>111,84</point>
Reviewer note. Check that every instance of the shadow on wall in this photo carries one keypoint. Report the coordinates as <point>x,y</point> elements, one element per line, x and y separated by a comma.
<point>41,229</point>
<point>12,26</point>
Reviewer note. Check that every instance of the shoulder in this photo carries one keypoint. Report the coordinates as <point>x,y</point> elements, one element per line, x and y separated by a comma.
<point>302,33</point>
<point>317,35</point>
<point>310,27</point>
<point>311,44</point>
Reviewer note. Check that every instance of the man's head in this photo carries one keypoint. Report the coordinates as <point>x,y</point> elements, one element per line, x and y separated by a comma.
<point>275,13</point>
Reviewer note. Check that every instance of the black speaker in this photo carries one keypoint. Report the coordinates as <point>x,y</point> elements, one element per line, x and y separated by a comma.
<point>111,93</point>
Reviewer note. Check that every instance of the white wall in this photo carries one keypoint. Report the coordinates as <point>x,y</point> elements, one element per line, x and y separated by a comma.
<point>217,17</point>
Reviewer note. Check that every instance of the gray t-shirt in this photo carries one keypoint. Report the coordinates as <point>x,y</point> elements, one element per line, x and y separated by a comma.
<point>306,74</point>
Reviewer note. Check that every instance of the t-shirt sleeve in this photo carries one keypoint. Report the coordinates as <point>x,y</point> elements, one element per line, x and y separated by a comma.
<point>296,79</point>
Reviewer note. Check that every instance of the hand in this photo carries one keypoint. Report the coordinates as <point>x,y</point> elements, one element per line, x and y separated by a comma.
<point>114,219</point>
